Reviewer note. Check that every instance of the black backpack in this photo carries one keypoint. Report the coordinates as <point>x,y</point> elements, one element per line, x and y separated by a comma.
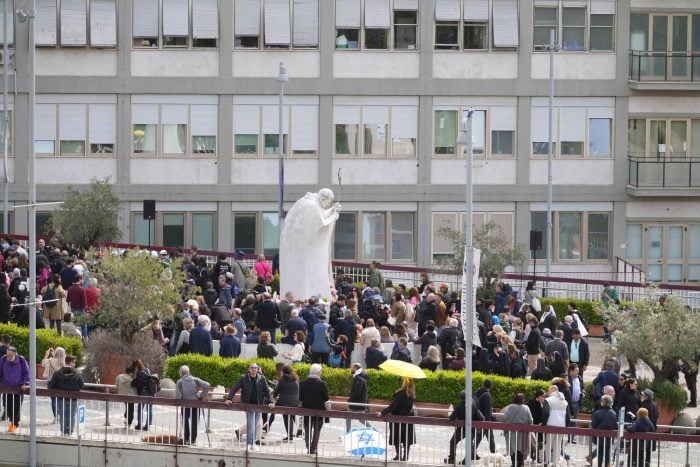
<point>154,384</point>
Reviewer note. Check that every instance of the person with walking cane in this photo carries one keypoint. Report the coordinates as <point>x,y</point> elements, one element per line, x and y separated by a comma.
<point>190,388</point>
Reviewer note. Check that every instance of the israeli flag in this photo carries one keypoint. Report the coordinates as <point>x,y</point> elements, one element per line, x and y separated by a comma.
<point>365,442</point>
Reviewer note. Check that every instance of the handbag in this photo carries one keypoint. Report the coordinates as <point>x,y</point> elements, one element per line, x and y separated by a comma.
<point>335,359</point>
<point>391,320</point>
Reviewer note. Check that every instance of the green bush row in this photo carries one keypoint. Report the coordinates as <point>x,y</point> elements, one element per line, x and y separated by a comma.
<point>586,307</point>
<point>442,387</point>
<point>45,338</point>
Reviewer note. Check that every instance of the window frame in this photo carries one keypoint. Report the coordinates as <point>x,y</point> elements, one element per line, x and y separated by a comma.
<point>191,43</point>
<point>188,227</point>
<point>668,122</point>
<point>362,130</point>
<point>88,30</point>
<point>557,151</point>
<point>387,243</point>
<point>87,146</point>
<point>583,237</point>
<point>390,32</point>
<point>488,132</point>
<point>261,46</point>
<point>458,223</point>
<point>559,27</point>
<point>10,130</point>
<point>461,26</point>
<point>189,152</point>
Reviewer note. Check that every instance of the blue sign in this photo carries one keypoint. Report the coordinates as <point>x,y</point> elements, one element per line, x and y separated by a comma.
<point>81,414</point>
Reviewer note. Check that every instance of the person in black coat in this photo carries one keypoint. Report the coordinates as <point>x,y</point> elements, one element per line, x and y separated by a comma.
<point>346,327</point>
<point>428,338</point>
<point>375,355</point>
<point>603,419</point>
<point>254,390</point>
<point>401,352</point>
<point>579,351</point>
<point>5,302</point>
<point>485,404</point>
<point>313,393</point>
<point>402,434</point>
<point>459,413</point>
<point>640,453</point>
<point>293,325</point>
<point>648,403</point>
<point>67,379</point>
<point>358,394</point>
<point>629,398</point>
<point>536,406</point>
<point>267,316</point>
<point>141,383</point>
<point>200,337</point>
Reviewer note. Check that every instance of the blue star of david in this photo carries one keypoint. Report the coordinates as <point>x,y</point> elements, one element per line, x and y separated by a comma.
<point>366,437</point>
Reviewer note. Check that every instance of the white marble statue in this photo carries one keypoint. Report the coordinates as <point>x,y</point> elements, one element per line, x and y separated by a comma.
<point>305,246</point>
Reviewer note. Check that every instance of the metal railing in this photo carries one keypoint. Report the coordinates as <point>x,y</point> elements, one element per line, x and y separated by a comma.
<point>682,172</point>
<point>668,66</point>
<point>101,419</point>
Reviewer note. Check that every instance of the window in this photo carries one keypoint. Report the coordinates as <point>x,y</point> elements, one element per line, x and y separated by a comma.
<point>442,245</point>
<point>173,129</point>
<point>75,130</point>
<point>376,24</point>
<point>271,233</point>
<point>244,232</point>
<point>466,25</point>
<point>285,24</point>
<point>43,223</point>
<point>175,23</point>
<point>75,23</point>
<point>498,122</point>
<point>660,138</point>
<point>578,236</point>
<point>173,229</point>
<point>10,23</point>
<point>9,132</point>
<point>256,127</point>
<point>203,230</point>
<point>579,130</point>
<point>582,26</point>
<point>386,236</point>
<point>141,227</point>
<point>667,252</point>
<point>387,130</point>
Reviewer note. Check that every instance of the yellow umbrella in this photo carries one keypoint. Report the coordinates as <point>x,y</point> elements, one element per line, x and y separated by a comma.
<point>399,368</point>
<point>139,132</point>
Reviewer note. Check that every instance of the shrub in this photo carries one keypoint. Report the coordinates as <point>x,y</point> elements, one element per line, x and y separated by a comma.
<point>45,338</point>
<point>442,387</point>
<point>670,395</point>
<point>586,307</point>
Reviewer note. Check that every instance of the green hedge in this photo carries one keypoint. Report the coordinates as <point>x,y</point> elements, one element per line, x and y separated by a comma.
<point>586,307</point>
<point>45,338</point>
<point>442,387</point>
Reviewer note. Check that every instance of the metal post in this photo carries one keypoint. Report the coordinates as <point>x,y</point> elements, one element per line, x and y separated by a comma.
<point>281,79</point>
<point>468,305</point>
<point>550,155</point>
<point>6,120</point>
<point>28,15</point>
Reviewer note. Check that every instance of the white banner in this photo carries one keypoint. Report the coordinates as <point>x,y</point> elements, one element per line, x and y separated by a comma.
<point>469,303</point>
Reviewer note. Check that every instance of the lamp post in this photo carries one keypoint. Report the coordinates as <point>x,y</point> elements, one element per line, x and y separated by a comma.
<point>552,48</point>
<point>28,15</point>
<point>465,141</point>
<point>5,119</point>
<point>282,78</point>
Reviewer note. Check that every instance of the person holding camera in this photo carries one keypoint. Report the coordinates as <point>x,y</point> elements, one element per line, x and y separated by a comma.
<point>190,388</point>
<point>629,399</point>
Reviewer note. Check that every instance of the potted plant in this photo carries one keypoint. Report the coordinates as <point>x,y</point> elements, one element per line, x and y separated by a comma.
<point>660,335</point>
<point>136,289</point>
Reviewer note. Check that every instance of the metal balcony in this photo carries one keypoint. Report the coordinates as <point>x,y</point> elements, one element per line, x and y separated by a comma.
<point>648,176</point>
<point>654,70</point>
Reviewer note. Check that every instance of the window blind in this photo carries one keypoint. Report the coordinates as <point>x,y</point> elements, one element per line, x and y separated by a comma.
<point>347,114</point>
<point>45,22</point>
<point>103,23</point>
<point>144,113</point>
<point>246,15</point>
<point>573,123</point>
<point>204,120</point>
<point>603,7</point>
<point>447,10</point>
<point>246,119</point>
<point>71,118</point>
<point>271,123</point>
<point>103,123</point>
<point>145,18</point>
<point>176,18</point>
<point>405,4</point>
<point>377,14</point>
<point>505,23</point>
<point>10,21</point>
<point>73,22</point>
<point>375,114</point>
<point>174,114</point>
<point>305,127</point>
<point>305,23</point>
<point>404,121</point>
<point>503,118</point>
<point>277,28</point>
<point>45,122</point>
<point>347,13</point>
<point>205,19</point>
<point>476,10</point>
<point>540,124</point>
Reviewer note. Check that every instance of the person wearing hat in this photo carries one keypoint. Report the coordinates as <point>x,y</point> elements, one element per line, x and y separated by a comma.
<point>648,403</point>
<point>238,269</point>
<point>14,373</point>
<point>255,391</point>
<point>230,345</point>
<point>220,269</point>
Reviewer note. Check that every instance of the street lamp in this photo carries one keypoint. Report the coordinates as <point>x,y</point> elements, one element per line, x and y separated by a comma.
<point>552,48</point>
<point>465,141</point>
<point>282,78</point>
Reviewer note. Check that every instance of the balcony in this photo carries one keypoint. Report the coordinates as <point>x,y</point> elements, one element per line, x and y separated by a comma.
<point>677,71</point>
<point>663,177</point>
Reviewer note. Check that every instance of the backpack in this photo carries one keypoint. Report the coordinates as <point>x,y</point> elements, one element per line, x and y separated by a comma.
<point>50,294</point>
<point>154,384</point>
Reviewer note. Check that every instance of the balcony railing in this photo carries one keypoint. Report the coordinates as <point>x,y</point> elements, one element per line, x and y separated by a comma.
<point>646,65</point>
<point>647,172</point>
